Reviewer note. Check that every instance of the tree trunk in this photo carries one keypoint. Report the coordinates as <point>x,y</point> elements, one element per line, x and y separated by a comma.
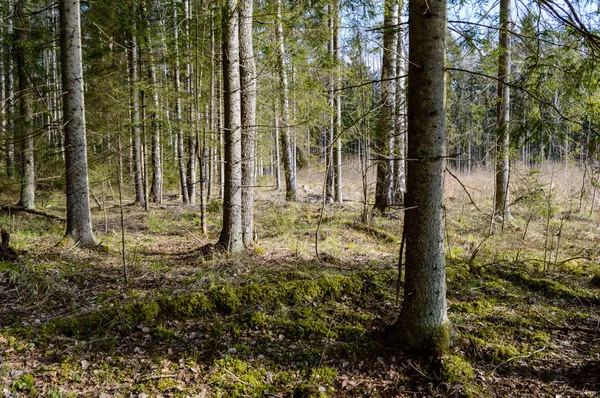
<point>10,100</point>
<point>79,223</point>
<point>157,177</point>
<point>337,101</point>
<point>501,202</point>
<point>24,124</point>
<point>385,125</point>
<point>248,98</point>
<point>423,321</point>
<point>400,112</point>
<point>231,234</point>
<point>180,147</point>
<point>286,142</point>
<point>135,117</point>
<point>189,88</point>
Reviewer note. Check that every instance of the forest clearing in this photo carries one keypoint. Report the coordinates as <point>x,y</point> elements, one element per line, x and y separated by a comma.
<point>291,198</point>
<point>275,321</point>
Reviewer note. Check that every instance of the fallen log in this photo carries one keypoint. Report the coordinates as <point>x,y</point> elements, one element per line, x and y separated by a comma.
<point>16,209</point>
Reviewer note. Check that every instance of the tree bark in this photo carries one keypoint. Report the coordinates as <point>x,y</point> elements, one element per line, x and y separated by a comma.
<point>400,112</point>
<point>135,116</point>
<point>189,86</point>
<point>157,175</point>
<point>24,123</point>
<point>248,107</point>
<point>180,147</point>
<point>231,234</point>
<point>501,201</point>
<point>385,123</point>
<point>337,101</point>
<point>423,321</point>
<point>286,142</point>
<point>10,100</point>
<point>79,223</point>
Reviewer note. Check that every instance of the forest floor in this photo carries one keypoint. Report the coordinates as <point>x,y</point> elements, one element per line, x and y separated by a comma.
<point>275,321</point>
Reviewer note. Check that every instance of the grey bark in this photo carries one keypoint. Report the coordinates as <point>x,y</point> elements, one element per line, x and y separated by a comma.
<point>24,123</point>
<point>180,147</point>
<point>400,112</point>
<point>135,117</point>
<point>337,101</point>
<point>79,222</point>
<point>385,122</point>
<point>423,321</point>
<point>189,86</point>
<point>231,234</point>
<point>10,100</point>
<point>501,201</point>
<point>157,176</point>
<point>286,142</point>
<point>248,107</point>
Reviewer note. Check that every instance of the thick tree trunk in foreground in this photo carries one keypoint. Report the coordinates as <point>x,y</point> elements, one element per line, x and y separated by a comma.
<point>248,98</point>
<point>79,223</point>
<point>286,142</point>
<point>423,323</point>
<point>231,234</point>
<point>24,124</point>
<point>385,123</point>
<point>501,201</point>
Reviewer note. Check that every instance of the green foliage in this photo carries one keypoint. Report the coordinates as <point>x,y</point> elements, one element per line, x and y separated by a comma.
<point>25,384</point>
<point>456,369</point>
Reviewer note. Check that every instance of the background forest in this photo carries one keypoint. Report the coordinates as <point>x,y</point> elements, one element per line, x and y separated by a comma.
<point>299,198</point>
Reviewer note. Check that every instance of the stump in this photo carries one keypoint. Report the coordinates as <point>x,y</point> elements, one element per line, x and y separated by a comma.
<point>7,253</point>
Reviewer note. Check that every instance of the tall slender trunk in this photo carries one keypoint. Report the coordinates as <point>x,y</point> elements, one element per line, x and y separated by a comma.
<point>79,223</point>
<point>10,99</point>
<point>423,321</point>
<point>286,143</point>
<point>192,160</point>
<point>211,108</point>
<point>277,150</point>
<point>337,101</point>
<point>400,112</point>
<point>248,108</point>
<point>231,234</point>
<point>385,125</point>
<point>24,123</point>
<point>180,147</point>
<point>329,136</point>
<point>202,147</point>
<point>501,202</point>
<point>135,116</point>
<point>157,175</point>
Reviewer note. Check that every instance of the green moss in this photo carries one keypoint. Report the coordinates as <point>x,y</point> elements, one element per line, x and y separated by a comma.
<point>224,299</point>
<point>185,306</point>
<point>504,352</point>
<point>255,293</point>
<point>163,333</point>
<point>324,375</point>
<point>455,369</point>
<point>259,320</point>
<point>24,384</point>
<point>141,311</point>
<point>470,307</point>
<point>236,378</point>
<point>165,384</point>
